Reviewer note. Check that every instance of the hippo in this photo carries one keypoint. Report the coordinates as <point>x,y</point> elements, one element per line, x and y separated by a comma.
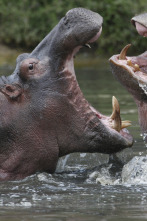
<point>43,113</point>
<point>132,72</point>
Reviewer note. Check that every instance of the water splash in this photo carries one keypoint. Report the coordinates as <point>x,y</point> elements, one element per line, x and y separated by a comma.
<point>103,176</point>
<point>143,87</point>
<point>135,171</point>
<point>144,137</point>
<point>62,163</point>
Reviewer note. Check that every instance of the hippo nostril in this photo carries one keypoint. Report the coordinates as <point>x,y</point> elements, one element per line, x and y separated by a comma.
<point>31,66</point>
<point>66,20</point>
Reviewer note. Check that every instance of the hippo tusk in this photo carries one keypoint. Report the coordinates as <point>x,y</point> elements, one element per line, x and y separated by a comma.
<point>125,124</point>
<point>115,116</point>
<point>116,122</point>
<point>123,53</point>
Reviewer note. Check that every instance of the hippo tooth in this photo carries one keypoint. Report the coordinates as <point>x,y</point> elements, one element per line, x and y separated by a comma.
<point>123,53</point>
<point>135,66</point>
<point>125,124</point>
<point>87,46</point>
<point>115,116</point>
<point>129,62</point>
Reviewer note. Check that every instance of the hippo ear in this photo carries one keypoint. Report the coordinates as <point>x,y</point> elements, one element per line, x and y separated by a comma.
<point>13,91</point>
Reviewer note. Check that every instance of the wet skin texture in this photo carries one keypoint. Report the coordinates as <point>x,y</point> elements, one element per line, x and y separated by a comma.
<point>43,113</point>
<point>132,77</point>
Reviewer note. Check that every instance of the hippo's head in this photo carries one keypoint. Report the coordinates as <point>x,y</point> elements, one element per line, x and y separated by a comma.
<point>132,71</point>
<point>43,113</point>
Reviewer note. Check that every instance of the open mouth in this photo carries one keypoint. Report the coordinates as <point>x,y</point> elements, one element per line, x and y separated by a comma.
<point>136,66</point>
<point>112,123</point>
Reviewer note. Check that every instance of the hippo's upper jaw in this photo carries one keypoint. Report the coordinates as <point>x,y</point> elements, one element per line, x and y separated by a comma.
<point>140,22</point>
<point>44,114</point>
<point>132,71</point>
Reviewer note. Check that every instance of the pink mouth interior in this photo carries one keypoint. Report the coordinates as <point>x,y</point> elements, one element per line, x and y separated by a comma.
<point>96,36</point>
<point>140,60</point>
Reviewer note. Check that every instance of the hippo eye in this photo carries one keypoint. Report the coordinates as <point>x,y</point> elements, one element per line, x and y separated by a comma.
<point>31,66</point>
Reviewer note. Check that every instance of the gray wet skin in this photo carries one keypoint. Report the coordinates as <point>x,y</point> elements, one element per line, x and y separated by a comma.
<point>43,113</point>
<point>132,72</point>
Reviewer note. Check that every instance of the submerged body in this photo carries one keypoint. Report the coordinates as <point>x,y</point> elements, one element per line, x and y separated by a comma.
<point>132,72</point>
<point>43,113</point>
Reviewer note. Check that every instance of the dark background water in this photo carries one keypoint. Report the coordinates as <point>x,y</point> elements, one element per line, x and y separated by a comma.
<point>70,194</point>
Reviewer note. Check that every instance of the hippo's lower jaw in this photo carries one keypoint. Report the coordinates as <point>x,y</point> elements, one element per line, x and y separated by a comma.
<point>132,71</point>
<point>114,122</point>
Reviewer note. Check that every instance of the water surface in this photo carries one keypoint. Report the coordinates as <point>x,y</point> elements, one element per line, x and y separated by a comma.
<point>72,193</point>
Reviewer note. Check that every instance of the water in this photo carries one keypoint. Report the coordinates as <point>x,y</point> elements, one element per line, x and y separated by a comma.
<point>83,187</point>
